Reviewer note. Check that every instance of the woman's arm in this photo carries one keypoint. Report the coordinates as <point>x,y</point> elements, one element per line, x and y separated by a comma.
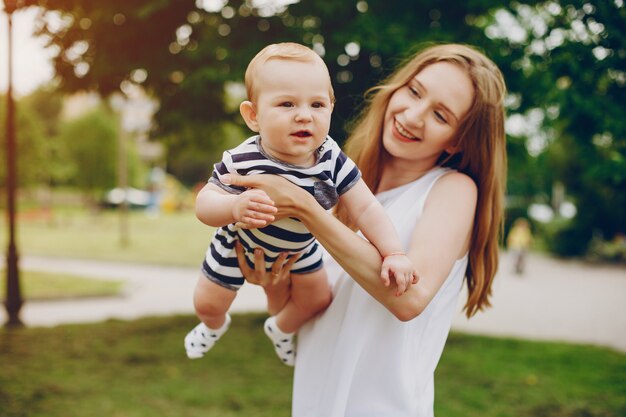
<point>440,237</point>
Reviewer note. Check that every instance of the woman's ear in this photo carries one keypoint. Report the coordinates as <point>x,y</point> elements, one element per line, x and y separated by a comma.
<point>454,148</point>
<point>248,112</point>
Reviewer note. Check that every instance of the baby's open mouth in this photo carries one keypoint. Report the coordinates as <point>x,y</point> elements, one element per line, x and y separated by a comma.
<point>302,134</point>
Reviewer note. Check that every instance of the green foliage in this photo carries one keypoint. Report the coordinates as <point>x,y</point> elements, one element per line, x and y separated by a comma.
<point>564,59</point>
<point>565,237</point>
<point>187,72</point>
<point>36,124</point>
<point>601,250</point>
<point>571,66</point>
<point>91,143</point>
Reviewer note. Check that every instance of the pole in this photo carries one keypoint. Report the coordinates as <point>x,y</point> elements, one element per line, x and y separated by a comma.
<point>13,297</point>
<point>122,178</point>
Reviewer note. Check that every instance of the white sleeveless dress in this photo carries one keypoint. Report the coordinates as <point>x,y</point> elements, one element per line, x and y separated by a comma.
<point>357,359</point>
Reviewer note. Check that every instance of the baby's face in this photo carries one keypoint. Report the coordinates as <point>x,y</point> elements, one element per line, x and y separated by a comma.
<point>293,107</point>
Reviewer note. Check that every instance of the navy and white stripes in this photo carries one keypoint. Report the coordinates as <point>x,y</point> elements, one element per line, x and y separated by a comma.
<point>332,175</point>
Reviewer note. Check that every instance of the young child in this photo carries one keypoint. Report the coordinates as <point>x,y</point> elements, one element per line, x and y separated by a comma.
<point>518,242</point>
<point>290,101</point>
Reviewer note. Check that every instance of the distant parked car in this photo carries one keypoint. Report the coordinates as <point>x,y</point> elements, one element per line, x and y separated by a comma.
<point>134,197</point>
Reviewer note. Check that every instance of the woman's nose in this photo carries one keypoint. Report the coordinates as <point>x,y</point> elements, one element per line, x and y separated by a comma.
<point>415,115</point>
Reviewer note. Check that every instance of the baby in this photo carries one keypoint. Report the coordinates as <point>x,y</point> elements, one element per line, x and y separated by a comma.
<point>290,101</point>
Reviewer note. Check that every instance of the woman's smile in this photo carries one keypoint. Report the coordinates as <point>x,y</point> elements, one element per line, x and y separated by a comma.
<point>402,133</point>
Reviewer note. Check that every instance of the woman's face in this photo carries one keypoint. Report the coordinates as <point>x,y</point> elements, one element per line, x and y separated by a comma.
<point>423,116</point>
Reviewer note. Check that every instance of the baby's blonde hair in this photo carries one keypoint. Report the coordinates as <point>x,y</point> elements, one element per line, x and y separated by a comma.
<point>287,51</point>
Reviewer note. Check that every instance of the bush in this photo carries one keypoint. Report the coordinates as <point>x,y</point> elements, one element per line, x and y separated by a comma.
<point>601,250</point>
<point>566,238</point>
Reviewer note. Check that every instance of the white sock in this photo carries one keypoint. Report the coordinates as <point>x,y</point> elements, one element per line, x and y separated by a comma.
<point>283,342</point>
<point>202,338</point>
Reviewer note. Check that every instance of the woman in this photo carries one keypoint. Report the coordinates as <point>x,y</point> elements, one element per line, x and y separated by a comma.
<point>431,145</point>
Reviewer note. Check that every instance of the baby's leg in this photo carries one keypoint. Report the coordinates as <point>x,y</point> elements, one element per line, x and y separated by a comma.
<point>211,302</point>
<point>310,294</point>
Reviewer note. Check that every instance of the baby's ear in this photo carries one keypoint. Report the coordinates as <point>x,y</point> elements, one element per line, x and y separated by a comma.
<point>248,112</point>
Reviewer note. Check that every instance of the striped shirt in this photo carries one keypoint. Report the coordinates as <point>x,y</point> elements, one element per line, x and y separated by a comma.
<point>332,175</point>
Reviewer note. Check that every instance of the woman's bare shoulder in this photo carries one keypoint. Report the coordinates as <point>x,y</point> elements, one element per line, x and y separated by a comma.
<point>456,185</point>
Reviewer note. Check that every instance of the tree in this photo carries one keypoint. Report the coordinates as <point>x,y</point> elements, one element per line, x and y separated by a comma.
<point>36,124</point>
<point>185,55</point>
<point>572,66</point>
<point>91,141</point>
<point>562,60</point>
<point>45,105</point>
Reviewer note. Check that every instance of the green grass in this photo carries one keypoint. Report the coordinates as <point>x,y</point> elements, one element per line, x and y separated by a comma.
<point>45,286</point>
<point>138,368</point>
<point>483,376</point>
<point>171,239</point>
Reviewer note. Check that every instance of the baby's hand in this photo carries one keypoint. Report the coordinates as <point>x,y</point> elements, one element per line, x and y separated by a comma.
<point>253,209</point>
<point>400,267</point>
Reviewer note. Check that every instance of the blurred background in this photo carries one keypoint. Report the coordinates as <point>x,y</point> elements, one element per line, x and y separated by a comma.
<point>144,95</point>
<point>116,111</point>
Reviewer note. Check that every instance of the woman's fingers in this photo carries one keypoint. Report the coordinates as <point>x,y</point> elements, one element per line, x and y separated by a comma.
<point>247,272</point>
<point>235,179</point>
<point>278,263</point>
<point>292,261</point>
<point>278,268</point>
<point>259,265</point>
<point>284,270</point>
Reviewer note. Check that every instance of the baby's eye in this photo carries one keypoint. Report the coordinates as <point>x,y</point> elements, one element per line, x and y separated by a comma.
<point>286,104</point>
<point>318,104</point>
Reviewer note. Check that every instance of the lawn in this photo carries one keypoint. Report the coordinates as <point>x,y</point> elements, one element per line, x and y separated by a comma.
<point>138,368</point>
<point>170,239</point>
<point>46,286</point>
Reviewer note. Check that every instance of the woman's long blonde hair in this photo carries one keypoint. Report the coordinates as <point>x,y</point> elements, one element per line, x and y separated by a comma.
<point>480,137</point>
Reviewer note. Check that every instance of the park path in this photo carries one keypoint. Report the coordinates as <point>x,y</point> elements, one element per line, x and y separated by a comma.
<point>554,300</point>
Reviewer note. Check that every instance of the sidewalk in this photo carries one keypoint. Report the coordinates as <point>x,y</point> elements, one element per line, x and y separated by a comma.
<point>150,290</point>
<point>553,300</point>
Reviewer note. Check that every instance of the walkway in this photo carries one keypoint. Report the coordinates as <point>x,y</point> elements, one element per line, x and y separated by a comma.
<point>553,300</point>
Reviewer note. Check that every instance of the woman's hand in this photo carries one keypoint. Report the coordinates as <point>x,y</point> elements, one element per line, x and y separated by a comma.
<point>276,283</point>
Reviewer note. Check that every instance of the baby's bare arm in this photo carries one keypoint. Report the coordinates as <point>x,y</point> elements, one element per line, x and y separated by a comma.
<point>216,207</point>
<point>372,220</point>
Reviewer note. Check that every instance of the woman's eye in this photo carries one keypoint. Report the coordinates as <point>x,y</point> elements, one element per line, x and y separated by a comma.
<point>440,117</point>
<point>414,92</point>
